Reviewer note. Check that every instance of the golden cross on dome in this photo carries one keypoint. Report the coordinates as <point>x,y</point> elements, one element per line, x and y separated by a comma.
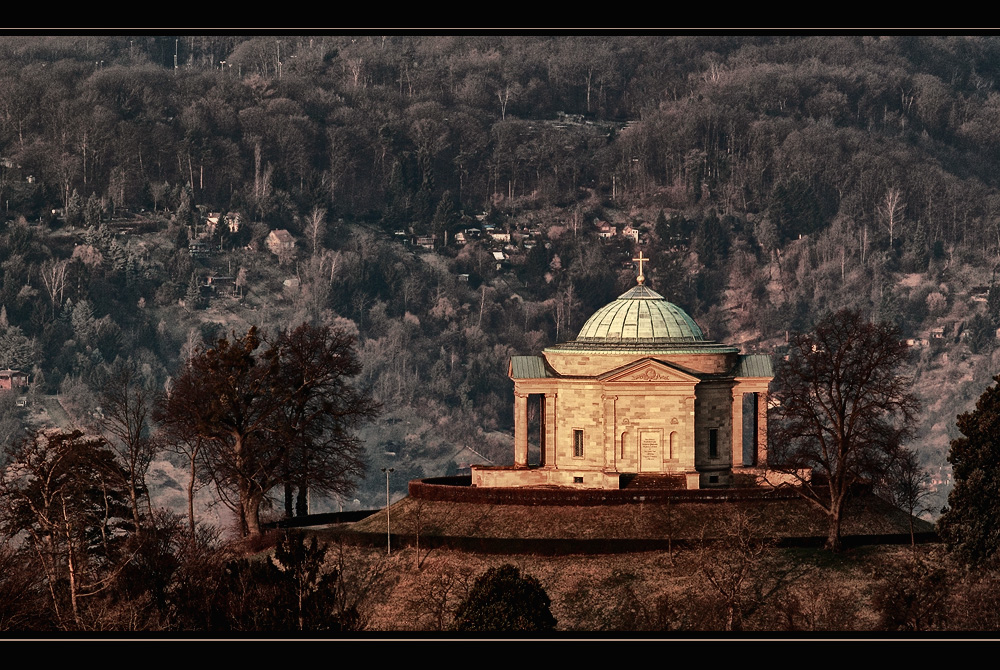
<point>641,278</point>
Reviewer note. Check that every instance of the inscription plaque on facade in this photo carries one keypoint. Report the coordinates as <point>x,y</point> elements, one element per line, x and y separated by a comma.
<point>651,450</point>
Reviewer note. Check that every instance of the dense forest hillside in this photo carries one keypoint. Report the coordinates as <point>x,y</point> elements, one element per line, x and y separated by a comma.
<point>447,194</point>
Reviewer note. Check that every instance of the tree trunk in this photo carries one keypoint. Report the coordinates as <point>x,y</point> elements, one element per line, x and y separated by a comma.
<point>289,496</point>
<point>833,537</point>
<point>71,566</point>
<point>250,505</point>
<point>134,499</point>
<point>302,501</point>
<point>190,494</point>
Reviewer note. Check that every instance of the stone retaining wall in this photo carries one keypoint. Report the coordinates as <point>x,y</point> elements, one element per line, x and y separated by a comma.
<point>459,489</point>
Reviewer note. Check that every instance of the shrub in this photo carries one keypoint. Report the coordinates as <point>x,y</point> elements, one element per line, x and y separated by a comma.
<point>504,600</point>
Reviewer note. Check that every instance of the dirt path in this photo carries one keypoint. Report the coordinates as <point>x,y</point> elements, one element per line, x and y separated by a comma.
<point>57,413</point>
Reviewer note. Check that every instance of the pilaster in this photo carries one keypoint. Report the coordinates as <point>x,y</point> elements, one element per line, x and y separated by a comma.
<point>737,423</point>
<point>549,416</point>
<point>610,426</point>
<point>761,455</point>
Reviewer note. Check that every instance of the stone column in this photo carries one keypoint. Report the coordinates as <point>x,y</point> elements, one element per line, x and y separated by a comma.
<point>737,420</point>
<point>520,429</point>
<point>541,431</point>
<point>761,455</point>
<point>549,412</point>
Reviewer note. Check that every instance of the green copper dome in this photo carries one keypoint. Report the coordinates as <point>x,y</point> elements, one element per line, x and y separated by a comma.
<point>640,315</point>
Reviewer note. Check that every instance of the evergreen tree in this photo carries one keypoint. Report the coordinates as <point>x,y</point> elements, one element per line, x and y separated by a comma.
<point>445,217</point>
<point>981,334</point>
<point>993,305</point>
<point>74,209</point>
<point>318,601</point>
<point>916,247</point>
<point>504,600</point>
<point>99,237</point>
<point>181,239</point>
<point>17,351</point>
<point>712,241</point>
<point>186,214</point>
<point>192,298</point>
<point>92,211</point>
<point>662,228</point>
<point>970,524</point>
<point>795,209</point>
<point>64,498</point>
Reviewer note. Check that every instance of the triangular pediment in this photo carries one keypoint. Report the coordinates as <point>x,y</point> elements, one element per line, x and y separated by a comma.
<point>648,370</point>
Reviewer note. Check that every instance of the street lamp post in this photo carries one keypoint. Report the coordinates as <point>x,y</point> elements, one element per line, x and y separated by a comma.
<point>388,536</point>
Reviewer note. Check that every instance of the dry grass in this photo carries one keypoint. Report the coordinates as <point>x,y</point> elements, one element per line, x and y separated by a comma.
<point>648,592</point>
<point>677,520</point>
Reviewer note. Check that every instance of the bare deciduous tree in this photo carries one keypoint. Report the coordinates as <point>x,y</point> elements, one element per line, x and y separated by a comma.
<point>435,605</point>
<point>891,209</point>
<point>843,409</point>
<point>906,485</point>
<point>127,402</point>
<point>53,274</point>
<point>283,414</point>
<point>733,567</point>
<point>316,228</point>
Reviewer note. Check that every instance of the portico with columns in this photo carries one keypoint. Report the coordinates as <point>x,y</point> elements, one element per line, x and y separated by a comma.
<point>640,391</point>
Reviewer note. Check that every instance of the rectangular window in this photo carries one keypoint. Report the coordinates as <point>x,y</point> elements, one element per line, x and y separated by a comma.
<point>578,443</point>
<point>577,480</point>
<point>713,442</point>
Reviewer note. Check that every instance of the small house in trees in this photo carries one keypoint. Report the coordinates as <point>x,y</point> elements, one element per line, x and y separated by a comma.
<point>13,379</point>
<point>605,230</point>
<point>466,457</point>
<point>212,222</point>
<point>631,233</point>
<point>225,286</point>
<point>233,221</point>
<point>501,259</point>
<point>199,248</point>
<point>280,242</point>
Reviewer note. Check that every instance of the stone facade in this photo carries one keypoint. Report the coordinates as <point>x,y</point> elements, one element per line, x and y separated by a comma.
<point>666,401</point>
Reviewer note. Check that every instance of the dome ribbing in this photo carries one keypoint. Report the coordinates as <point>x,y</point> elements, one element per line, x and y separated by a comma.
<point>640,315</point>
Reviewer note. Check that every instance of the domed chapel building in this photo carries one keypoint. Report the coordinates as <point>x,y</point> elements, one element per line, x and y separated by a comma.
<point>640,391</point>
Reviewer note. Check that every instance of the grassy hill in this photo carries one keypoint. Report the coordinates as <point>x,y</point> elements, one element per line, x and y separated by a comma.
<point>670,592</point>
